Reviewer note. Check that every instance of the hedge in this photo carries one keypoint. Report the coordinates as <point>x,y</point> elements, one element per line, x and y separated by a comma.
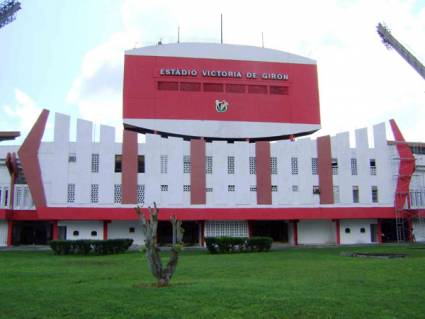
<point>86,246</point>
<point>225,244</point>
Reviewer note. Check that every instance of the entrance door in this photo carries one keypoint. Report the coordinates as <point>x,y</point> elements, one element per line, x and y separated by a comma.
<point>32,233</point>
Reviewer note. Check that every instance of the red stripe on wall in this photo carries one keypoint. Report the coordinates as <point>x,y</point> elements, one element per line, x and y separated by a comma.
<point>28,155</point>
<point>129,168</point>
<point>263,173</point>
<point>197,175</point>
<point>324,158</point>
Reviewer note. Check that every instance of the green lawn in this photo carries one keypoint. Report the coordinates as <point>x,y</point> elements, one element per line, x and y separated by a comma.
<point>292,283</point>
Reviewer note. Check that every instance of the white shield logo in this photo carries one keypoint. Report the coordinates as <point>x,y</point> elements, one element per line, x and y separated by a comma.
<point>221,106</point>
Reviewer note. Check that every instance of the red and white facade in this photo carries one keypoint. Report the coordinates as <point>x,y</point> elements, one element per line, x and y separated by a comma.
<point>223,168</point>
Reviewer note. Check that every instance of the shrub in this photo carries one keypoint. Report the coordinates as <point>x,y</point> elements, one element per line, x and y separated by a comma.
<point>224,244</point>
<point>259,243</point>
<point>85,247</point>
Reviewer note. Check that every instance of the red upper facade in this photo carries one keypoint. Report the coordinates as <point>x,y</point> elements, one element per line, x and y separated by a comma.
<point>220,91</point>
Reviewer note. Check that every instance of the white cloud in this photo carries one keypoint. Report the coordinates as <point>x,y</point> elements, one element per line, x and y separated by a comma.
<point>22,115</point>
<point>360,82</point>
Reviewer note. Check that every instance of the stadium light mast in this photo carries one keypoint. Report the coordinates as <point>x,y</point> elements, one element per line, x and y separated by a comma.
<point>8,9</point>
<point>391,42</point>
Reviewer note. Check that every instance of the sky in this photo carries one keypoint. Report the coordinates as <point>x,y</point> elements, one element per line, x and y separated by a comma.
<point>67,56</point>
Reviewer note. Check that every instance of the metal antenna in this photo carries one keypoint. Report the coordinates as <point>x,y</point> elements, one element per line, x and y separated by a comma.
<point>178,34</point>
<point>221,22</point>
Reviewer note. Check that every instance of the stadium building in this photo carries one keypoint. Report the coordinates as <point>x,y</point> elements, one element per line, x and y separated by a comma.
<point>217,135</point>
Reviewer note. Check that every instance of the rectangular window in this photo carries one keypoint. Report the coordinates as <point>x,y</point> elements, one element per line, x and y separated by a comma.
<point>71,193</point>
<point>354,166</point>
<point>95,163</point>
<point>374,194</point>
<point>314,166</point>
<point>257,89</point>
<point>295,188</point>
<point>213,87</point>
<point>316,190</point>
<point>186,164</point>
<point>279,90</point>
<point>235,88</point>
<point>355,194</point>
<point>117,194</point>
<point>141,194</point>
<point>186,188</point>
<point>118,164</point>
<point>230,188</point>
<point>334,166</point>
<point>252,165</point>
<point>274,188</point>
<point>336,194</point>
<point>72,158</point>
<point>273,165</point>
<point>294,165</point>
<point>190,86</point>
<point>141,163</point>
<point>164,188</point>
<point>253,188</point>
<point>208,164</point>
<point>230,165</point>
<point>168,86</point>
<point>164,164</point>
<point>209,189</point>
<point>94,193</point>
<point>372,164</point>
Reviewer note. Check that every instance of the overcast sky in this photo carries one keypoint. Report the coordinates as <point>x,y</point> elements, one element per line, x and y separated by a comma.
<point>67,56</point>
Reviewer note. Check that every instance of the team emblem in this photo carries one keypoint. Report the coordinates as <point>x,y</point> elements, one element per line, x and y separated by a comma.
<point>221,106</point>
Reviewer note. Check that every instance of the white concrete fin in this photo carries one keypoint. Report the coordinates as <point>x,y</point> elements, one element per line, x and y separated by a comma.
<point>340,141</point>
<point>107,134</point>
<point>380,136</point>
<point>61,130</point>
<point>362,140</point>
<point>84,131</point>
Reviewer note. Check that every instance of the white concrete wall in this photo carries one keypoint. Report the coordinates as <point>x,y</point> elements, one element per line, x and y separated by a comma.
<point>3,233</point>
<point>316,232</point>
<point>419,230</point>
<point>84,228</point>
<point>355,236</point>
<point>121,229</point>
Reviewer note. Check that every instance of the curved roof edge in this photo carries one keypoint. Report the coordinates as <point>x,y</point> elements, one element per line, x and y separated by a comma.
<point>221,52</point>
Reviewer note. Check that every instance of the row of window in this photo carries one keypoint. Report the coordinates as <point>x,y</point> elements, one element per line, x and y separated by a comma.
<point>220,87</point>
<point>230,164</point>
<point>93,233</point>
<point>94,192</point>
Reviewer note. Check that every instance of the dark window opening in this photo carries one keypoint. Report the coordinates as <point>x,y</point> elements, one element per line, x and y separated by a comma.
<point>190,86</point>
<point>257,89</point>
<point>213,87</point>
<point>168,86</point>
<point>131,230</point>
<point>94,233</point>
<point>118,163</point>
<point>235,88</point>
<point>141,163</point>
<point>279,90</point>
<point>347,230</point>
<point>76,233</point>
<point>362,230</point>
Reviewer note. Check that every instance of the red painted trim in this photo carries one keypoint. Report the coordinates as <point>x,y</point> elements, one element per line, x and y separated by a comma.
<point>80,213</point>
<point>324,159</point>
<point>379,232</point>
<point>197,175</point>
<point>28,155</point>
<point>406,168</point>
<point>105,229</point>
<point>295,232</point>
<point>263,173</point>
<point>338,232</point>
<point>129,167</point>
<point>9,233</point>
<point>55,234</point>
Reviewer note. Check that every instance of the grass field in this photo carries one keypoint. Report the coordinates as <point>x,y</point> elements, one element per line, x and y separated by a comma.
<point>291,283</point>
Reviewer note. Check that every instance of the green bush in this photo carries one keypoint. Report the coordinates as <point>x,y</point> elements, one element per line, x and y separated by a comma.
<point>259,243</point>
<point>85,247</point>
<point>225,245</point>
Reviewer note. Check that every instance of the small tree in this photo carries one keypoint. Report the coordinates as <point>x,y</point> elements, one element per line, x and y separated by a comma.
<point>149,230</point>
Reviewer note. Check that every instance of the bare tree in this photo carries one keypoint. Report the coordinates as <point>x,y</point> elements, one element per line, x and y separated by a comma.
<point>149,230</point>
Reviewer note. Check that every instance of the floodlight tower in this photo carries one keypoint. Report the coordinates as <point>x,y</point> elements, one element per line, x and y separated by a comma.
<point>391,42</point>
<point>8,9</point>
